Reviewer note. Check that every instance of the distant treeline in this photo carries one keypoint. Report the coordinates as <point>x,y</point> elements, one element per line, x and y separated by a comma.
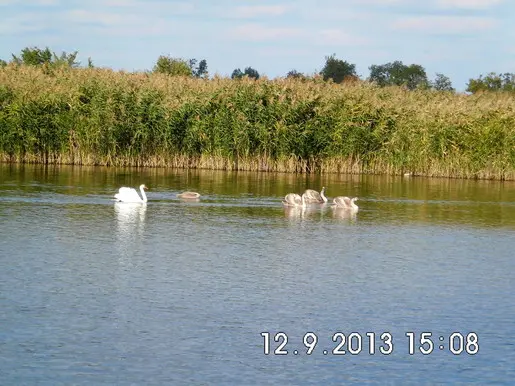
<point>395,73</point>
<point>92,116</point>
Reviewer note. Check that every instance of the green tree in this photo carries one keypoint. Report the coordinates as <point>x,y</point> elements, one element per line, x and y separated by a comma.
<point>172,66</point>
<point>34,56</point>
<point>3,63</point>
<point>492,82</point>
<point>337,69</point>
<point>200,70</point>
<point>294,74</point>
<point>442,83</point>
<point>398,74</point>
<point>65,59</point>
<point>237,74</point>
<point>249,71</point>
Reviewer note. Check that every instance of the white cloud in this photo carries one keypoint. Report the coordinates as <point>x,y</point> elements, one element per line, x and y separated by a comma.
<point>121,3</point>
<point>142,8</point>
<point>331,14</point>
<point>445,24</point>
<point>30,2</point>
<point>45,2</point>
<point>381,2</point>
<point>284,52</point>
<point>259,10</point>
<point>24,22</point>
<point>113,23</point>
<point>259,32</point>
<point>467,4</point>
<point>338,37</point>
<point>103,18</point>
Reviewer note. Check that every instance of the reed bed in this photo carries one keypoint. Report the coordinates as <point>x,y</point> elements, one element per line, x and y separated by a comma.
<point>103,117</point>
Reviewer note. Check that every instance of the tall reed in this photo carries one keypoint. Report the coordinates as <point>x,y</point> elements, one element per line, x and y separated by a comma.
<point>103,117</point>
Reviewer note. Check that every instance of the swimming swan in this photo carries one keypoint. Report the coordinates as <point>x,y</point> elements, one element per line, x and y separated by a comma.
<point>313,197</point>
<point>131,195</point>
<point>293,199</point>
<point>346,202</point>
<point>188,195</point>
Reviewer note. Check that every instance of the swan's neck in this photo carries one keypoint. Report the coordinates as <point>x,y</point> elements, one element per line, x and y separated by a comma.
<point>322,194</point>
<point>352,204</point>
<point>143,195</point>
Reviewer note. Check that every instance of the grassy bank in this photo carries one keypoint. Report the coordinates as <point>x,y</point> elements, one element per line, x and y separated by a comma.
<point>102,117</point>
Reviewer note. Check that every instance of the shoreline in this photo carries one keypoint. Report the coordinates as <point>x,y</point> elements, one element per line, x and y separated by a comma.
<point>345,168</point>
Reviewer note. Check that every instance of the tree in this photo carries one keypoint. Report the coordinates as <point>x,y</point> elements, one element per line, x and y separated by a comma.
<point>295,74</point>
<point>442,83</point>
<point>492,82</point>
<point>398,74</point>
<point>3,63</point>
<point>65,59</point>
<point>34,56</point>
<point>199,71</point>
<point>249,71</point>
<point>172,66</point>
<point>337,69</point>
<point>237,74</point>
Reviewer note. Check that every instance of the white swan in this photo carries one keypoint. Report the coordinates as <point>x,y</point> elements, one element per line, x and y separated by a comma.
<point>293,199</point>
<point>346,202</point>
<point>313,197</point>
<point>188,195</point>
<point>131,195</point>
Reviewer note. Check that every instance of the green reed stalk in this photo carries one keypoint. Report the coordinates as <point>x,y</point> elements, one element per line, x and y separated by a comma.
<point>102,117</point>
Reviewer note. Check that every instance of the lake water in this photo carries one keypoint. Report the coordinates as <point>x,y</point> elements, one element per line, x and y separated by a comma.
<point>173,292</point>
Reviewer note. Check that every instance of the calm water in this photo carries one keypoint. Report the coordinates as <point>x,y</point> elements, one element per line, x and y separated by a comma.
<point>95,292</point>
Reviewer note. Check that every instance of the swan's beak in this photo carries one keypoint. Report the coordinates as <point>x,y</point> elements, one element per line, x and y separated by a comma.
<point>145,187</point>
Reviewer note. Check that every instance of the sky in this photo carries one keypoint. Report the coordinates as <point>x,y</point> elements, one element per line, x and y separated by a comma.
<point>461,39</point>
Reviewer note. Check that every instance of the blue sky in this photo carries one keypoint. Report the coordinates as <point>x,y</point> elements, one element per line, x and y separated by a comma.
<point>459,38</point>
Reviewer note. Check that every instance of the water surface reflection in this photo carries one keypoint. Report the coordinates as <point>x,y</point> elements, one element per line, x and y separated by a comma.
<point>174,292</point>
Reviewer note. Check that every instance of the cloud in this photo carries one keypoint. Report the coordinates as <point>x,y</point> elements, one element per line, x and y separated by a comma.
<point>21,23</point>
<point>125,21</point>
<point>102,18</point>
<point>251,11</point>
<point>121,3</point>
<point>380,2</point>
<point>30,2</point>
<point>284,52</point>
<point>45,2</point>
<point>332,14</point>
<point>445,24</point>
<point>467,4</point>
<point>259,32</point>
<point>338,37</point>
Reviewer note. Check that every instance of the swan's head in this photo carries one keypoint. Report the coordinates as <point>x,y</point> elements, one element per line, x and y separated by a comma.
<point>143,186</point>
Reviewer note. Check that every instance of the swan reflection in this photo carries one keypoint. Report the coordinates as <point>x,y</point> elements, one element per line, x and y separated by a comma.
<point>189,199</point>
<point>130,217</point>
<point>343,213</point>
<point>294,212</point>
<point>299,212</point>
